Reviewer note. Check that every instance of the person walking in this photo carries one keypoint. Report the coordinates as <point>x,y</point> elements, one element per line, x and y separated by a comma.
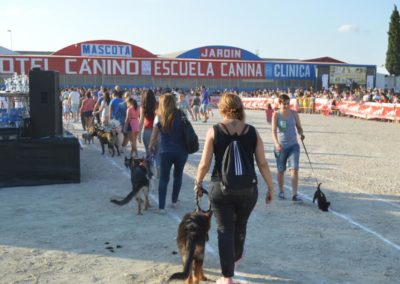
<point>104,109</point>
<point>231,211</point>
<point>115,101</point>
<point>132,125</point>
<point>196,106</point>
<point>87,110</point>
<point>147,115</point>
<point>73,101</point>
<point>172,149</point>
<point>287,150</point>
<point>204,103</point>
<point>120,115</point>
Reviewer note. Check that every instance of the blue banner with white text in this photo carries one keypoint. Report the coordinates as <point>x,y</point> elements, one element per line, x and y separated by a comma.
<point>289,71</point>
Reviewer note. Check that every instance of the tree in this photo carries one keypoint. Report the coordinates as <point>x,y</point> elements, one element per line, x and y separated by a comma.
<point>393,52</point>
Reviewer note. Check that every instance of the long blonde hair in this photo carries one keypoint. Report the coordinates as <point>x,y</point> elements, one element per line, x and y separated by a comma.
<point>167,109</point>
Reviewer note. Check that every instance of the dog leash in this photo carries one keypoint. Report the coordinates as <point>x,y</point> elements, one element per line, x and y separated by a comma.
<point>308,157</point>
<point>198,208</point>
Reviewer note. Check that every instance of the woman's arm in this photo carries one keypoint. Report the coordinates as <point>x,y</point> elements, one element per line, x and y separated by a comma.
<point>298,125</point>
<point>127,119</point>
<point>100,109</point>
<point>141,122</point>
<point>274,128</point>
<point>153,139</point>
<point>263,166</point>
<point>206,158</point>
<point>82,105</point>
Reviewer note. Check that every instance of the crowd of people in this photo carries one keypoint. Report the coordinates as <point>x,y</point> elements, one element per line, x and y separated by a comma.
<point>306,98</point>
<point>334,92</point>
<point>153,117</point>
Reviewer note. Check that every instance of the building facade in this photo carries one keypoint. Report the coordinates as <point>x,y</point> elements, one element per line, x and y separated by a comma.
<point>108,63</point>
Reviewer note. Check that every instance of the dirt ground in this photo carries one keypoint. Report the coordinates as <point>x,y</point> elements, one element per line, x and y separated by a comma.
<point>59,233</point>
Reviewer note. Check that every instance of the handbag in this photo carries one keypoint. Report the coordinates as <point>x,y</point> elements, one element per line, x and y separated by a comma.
<point>190,136</point>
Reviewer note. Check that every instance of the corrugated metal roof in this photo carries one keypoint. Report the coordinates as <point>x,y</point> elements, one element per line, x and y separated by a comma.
<point>6,51</point>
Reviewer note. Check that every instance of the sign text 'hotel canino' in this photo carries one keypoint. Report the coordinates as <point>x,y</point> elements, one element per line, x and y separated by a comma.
<point>136,67</point>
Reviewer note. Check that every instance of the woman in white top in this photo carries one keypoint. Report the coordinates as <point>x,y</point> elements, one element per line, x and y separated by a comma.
<point>104,109</point>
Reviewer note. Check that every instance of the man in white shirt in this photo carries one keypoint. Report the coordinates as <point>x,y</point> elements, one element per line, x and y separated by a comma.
<point>73,101</point>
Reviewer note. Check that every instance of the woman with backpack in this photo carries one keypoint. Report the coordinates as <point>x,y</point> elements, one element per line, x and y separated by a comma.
<point>172,149</point>
<point>232,205</point>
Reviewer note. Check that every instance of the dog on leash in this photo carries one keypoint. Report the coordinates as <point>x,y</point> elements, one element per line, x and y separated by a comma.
<point>191,241</point>
<point>323,204</point>
<point>108,138</point>
<point>87,137</point>
<point>140,179</point>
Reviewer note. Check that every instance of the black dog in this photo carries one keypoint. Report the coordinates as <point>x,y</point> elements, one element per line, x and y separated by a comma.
<point>323,204</point>
<point>140,179</point>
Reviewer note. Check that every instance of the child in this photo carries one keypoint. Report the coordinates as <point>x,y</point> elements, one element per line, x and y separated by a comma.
<point>268,113</point>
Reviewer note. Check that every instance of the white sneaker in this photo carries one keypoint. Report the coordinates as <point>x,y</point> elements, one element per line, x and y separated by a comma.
<point>161,212</point>
<point>174,205</point>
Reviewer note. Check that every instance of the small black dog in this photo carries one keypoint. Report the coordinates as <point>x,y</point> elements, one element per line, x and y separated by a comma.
<point>87,137</point>
<point>323,204</point>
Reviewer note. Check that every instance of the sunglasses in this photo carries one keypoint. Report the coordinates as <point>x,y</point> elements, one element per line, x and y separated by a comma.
<point>285,103</point>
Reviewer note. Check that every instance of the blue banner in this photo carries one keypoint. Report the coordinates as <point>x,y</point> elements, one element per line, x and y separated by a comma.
<point>289,71</point>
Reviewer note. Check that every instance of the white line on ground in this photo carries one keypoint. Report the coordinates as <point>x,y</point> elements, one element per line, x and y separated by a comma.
<point>351,221</point>
<point>360,191</point>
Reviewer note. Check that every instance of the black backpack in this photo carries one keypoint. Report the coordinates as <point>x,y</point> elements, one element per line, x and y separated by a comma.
<point>237,170</point>
<point>189,135</point>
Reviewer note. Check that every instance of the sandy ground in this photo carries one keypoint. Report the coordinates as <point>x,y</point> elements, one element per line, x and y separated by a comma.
<point>58,233</point>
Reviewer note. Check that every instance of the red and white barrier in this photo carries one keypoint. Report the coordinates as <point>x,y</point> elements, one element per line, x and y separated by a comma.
<point>363,110</point>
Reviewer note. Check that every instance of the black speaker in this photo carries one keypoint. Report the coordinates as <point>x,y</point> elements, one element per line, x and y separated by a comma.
<point>44,104</point>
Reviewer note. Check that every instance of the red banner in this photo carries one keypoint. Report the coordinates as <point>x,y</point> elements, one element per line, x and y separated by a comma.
<point>262,103</point>
<point>183,68</point>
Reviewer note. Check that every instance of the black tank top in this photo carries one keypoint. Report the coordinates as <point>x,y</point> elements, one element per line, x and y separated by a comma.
<point>222,140</point>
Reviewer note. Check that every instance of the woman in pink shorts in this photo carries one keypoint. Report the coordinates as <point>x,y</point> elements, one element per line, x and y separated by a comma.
<point>132,124</point>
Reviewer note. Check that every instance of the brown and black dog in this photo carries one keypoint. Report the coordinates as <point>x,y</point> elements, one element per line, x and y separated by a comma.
<point>87,137</point>
<point>191,240</point>
<point>140,179</point>
<point>105,137</point>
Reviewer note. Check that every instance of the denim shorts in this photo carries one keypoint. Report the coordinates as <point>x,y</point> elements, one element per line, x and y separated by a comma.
<point>203,108</point>
<point>288,156</point>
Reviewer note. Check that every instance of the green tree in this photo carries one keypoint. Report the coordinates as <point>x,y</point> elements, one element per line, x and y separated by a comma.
<point>393,51</point>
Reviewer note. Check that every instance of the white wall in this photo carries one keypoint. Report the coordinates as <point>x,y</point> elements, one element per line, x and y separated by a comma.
<point>387,81</point>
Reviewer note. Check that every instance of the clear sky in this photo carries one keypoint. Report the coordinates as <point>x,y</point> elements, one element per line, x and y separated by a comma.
<point>354,31</point>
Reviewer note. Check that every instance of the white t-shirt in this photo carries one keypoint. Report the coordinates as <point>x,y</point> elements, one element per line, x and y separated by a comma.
<point>105,114</point>
<point>74,95</point>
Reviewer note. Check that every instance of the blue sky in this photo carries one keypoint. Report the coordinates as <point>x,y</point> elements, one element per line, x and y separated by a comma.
<point>354,31</point>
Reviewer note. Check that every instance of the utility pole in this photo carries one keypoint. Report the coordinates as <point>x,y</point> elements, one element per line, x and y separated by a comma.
<point>10,31</point>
